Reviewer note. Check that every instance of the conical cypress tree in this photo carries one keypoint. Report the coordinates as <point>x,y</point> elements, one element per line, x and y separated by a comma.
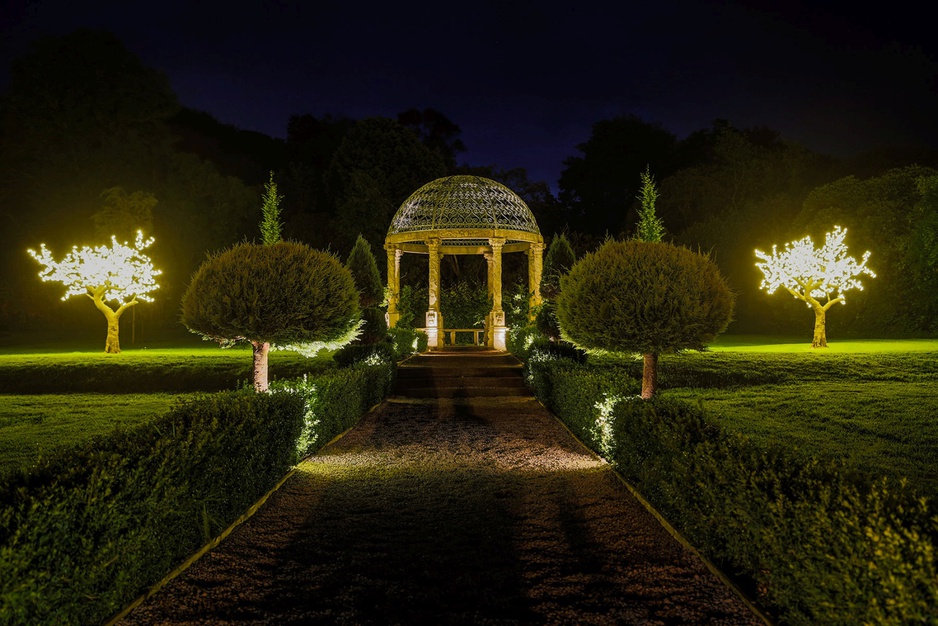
<point>364,269</point>
<point>557,262</point>
<point>361,262</point>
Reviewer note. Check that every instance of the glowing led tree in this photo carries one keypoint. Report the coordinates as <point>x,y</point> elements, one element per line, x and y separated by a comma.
<point>814,275</point>
<point>115,278</point>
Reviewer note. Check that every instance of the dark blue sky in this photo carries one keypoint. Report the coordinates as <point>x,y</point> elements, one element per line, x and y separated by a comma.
<point>525,80</point>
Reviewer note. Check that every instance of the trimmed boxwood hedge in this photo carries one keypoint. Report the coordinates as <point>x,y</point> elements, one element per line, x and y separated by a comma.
<point>85,532</point>
<point>821,544</point>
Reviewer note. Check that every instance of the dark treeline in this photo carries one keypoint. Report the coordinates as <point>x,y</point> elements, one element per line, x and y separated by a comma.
<point>93,142</point>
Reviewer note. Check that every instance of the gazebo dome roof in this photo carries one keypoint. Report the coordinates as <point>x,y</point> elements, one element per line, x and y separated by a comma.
<point>464,207</point>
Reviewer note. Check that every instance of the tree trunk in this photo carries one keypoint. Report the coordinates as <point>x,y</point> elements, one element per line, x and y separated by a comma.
<point>649,376</point>
<point>113,343</point>
<point>820,328</point>
<point>260,365</point>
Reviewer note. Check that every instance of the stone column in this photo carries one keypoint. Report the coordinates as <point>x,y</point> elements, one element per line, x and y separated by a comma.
<point>394,283</point>
<point>535,267</point>
<point>499,330</point>
<point>434,319</point>
<point>489,281</point>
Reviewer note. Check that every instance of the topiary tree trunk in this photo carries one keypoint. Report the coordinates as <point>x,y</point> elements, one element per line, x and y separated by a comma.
<point>649,375</point>
<point>261,352</point>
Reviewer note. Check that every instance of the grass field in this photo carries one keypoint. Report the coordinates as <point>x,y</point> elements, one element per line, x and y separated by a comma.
<point>32,426</point>
<point>54,395</point>
<point>872,403</point>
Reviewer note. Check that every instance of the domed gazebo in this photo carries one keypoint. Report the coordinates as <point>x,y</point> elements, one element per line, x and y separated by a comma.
<point>466,215</point>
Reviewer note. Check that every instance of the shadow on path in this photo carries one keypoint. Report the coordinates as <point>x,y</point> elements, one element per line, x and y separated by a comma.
<point>450,510</point>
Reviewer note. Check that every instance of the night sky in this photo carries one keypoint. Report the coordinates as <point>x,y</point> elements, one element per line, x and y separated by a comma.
<point>526,80</point>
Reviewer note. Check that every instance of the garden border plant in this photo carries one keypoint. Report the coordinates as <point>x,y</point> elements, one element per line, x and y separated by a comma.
<point>87,530</point>
<point>821,542</point>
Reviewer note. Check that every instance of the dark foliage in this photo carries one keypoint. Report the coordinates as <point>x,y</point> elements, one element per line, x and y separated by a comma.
<point>372,353</point>
<point>643,297</point>
<point>283,293</point>
<point>375,327</point>
<point>85,531</point>
<point>820,542</point>
<point>601,185</point>
<point>892,215</point>
<point>557,261</point>
<point>361,263</point>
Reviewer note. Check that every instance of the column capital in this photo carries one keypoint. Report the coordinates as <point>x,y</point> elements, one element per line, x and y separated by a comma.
<point>496,243</point>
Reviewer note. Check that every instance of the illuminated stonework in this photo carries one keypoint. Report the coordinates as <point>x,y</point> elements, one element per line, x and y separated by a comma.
<point>464,215</point>
<point>463,203</point>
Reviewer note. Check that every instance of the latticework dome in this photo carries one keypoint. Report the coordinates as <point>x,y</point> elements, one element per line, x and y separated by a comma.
<point>466,207</point>
<point>463,215</point>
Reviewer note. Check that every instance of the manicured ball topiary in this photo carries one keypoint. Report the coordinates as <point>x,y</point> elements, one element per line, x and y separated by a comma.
<point>645,297</point>
<point>285,293</point>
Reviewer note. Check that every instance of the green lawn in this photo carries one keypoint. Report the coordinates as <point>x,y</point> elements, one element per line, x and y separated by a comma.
<point>144,370</point>
<point>35,425</point>
<point>53,395</point>
<point>765,343</point>
<point>873,403</point>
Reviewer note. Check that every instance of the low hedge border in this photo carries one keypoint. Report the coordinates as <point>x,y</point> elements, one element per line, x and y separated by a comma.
<point>85,532</point>
<point>820,543</point>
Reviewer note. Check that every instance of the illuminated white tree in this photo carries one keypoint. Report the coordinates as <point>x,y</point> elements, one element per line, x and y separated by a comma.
<point>120,275</point>
<point>814,275</point>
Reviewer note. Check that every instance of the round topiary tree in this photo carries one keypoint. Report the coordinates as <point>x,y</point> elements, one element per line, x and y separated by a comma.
<point>644,297</point>
<point>286,294</point>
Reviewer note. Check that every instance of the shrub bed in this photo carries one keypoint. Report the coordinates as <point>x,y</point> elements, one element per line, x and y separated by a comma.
<point>86,531</point>
<point>333,401</point>
<point>820,542</point>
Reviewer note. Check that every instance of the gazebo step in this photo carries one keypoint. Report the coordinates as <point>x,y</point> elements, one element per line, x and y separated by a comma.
<point>466,383</point>
<point>462,392</point>
<point>420,373</point>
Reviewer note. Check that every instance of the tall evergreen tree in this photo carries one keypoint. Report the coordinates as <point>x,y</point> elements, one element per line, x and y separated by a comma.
<point>650,227</point>
<point>361,263</point>
<point>557,262</point>
<point>270,223</point>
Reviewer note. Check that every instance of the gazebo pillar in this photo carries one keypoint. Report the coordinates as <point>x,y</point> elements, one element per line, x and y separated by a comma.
<point>535,267</point>
<point>489,282</point>
<point>394,283</point>
<point>497,317</point>
<point>434,318</point>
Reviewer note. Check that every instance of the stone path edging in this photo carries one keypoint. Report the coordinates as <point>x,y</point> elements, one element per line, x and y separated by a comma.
<point>668,527</point>
<point>462,509</point>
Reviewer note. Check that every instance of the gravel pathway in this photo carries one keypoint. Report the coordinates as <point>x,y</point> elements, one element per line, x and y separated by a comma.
<point>474,510</point>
